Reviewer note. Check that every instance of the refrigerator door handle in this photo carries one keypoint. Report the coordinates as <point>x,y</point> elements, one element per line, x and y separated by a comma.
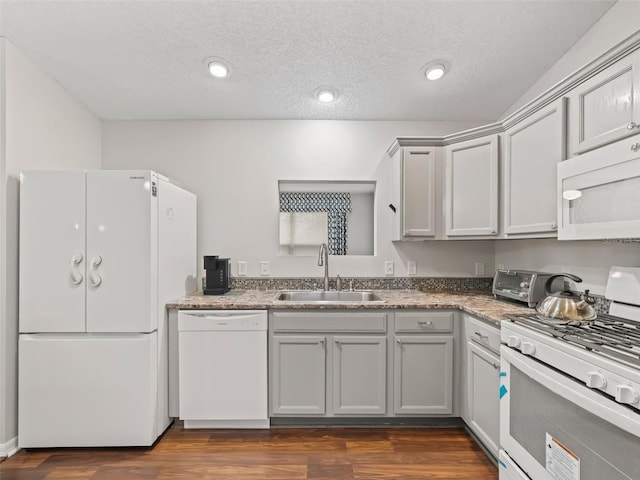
<point>96,280</point>
<point>95,262</point>
<point>76,277</point>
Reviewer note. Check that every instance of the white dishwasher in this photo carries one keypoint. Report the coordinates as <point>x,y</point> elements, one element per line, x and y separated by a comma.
<point>223,368</point>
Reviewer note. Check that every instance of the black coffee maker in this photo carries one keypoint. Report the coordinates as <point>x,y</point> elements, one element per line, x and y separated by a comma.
<point>218,278</point>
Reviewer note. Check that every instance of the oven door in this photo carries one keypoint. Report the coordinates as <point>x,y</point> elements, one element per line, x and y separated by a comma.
<point>556,428</point>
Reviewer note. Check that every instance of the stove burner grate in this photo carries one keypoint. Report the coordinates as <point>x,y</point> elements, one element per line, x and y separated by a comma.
<point>613,337</point>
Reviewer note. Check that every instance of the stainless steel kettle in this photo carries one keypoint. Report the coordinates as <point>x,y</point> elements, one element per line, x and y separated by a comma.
<point>565,306</point>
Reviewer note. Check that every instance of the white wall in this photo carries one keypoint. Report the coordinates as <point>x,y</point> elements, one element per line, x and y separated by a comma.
<point>620,22</point>
<point>590,260</point>
<point>234,166</point>
<point>44,127</point>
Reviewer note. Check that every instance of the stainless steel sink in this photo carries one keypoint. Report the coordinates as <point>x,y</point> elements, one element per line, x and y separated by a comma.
<point>319,296</point>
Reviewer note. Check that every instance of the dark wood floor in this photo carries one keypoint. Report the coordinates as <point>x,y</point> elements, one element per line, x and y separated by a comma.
<point>276,454</point>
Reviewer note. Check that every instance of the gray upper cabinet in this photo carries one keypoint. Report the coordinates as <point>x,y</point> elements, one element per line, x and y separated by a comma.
<point>298,375</point>
<point>471,187</point>
<point>413,193</point>
<point>531,151</point>
<point>606,107</point>
<point>359,375</point>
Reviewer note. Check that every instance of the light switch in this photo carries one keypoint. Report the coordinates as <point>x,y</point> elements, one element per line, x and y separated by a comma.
<point>242,268</point>
<point>411,268</point>
<point>264,268</point>
<point>388,267</point>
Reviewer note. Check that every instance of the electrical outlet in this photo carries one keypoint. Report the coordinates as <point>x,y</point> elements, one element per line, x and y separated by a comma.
<point>242,268</point>
<point>388,267</point>
<point>479,268</point>
<point>411,267</point>
<point>264,268</point>
<point>500,266</point>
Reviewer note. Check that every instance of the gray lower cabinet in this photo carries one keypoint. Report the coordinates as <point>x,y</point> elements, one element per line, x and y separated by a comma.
<point>481,378</point>
<point>298,375</point>
<point>423,363</point>
<point>359,375</point>
<point>342,363</point>
<point>327,363</point>
<point>423,374</point>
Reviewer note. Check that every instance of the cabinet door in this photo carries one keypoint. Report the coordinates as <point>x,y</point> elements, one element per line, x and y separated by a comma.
<point>359,375</point>
<point>298,375</point>
<point>471,187</point>
<point>532,150</point>
<point>423,375</point>
<point>483,384</point>
<point>52,252</point>
<point>606,107</point>
<point>418,192</point>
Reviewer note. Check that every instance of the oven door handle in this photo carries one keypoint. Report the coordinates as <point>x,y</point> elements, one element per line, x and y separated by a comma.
<point>573,391</point>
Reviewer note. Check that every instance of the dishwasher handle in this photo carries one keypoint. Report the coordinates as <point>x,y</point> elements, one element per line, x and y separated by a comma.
<point>221,320</point>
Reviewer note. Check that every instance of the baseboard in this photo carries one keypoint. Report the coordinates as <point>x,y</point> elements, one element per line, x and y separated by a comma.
<point>263,423</point>
<point>455,422</point>
<point>9,448</point>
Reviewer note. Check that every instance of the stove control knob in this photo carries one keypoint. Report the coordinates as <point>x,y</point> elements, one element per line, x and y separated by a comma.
<point>626,394</point>
<point>596,380</point>
<point>528,348</point>
<point>523,295</point>
<point>524,285</point>
<point>513,341</point>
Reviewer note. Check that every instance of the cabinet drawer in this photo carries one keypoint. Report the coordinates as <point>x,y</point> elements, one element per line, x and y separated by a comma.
<point>361,322</point>
<point>424,322</point>
<point>483,334</point>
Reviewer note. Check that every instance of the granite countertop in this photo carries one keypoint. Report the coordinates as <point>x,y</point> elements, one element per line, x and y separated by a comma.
<point>481,305</point>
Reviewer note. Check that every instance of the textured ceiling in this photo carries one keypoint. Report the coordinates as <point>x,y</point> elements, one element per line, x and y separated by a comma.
<point>144,59</point>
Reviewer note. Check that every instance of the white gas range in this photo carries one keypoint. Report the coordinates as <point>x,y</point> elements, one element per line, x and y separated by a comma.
<point>570,394</point>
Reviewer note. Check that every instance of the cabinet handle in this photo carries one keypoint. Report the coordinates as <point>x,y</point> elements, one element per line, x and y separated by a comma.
<point>481,339</point>
<point>321,341</point>
<point>635,148</point>
<point>337,342</point>
<point>632,125</point>
<point>419,153</point>
<point>554,226</point>
<point>495,366</point>
<point>76,278</point>
<point>399,341</point>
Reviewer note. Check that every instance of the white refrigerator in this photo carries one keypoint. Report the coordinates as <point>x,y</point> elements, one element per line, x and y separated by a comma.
<point>101,252</point>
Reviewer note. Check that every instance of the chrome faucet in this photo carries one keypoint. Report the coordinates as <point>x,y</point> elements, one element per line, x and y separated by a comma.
<point>323,259</point>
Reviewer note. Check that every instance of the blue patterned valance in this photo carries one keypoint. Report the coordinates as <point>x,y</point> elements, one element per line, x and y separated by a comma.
<point>336,204</point>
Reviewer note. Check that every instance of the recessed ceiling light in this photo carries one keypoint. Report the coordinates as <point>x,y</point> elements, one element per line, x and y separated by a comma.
<point>218,67</point>
<point>218,70</point>
<point>326,94</point>
<point>435,72</point>
<point>435,69</point>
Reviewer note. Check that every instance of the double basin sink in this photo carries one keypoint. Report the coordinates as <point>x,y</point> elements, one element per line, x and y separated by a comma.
<point>325,297</point>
